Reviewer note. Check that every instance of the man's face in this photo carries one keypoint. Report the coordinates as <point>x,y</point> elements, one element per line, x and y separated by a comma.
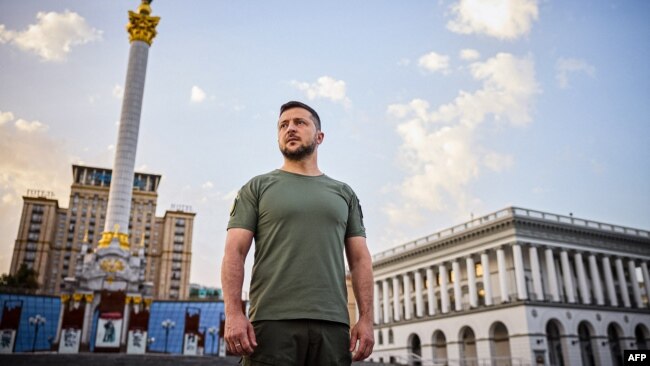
<point>297,134</point>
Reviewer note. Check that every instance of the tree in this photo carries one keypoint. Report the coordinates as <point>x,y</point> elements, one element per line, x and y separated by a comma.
<point>24,279</point>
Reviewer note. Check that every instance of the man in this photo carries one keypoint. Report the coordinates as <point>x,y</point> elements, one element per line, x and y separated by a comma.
<point>302,222</point>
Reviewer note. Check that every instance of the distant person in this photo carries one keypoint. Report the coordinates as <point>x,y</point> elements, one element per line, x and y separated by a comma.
<point>302,222</point>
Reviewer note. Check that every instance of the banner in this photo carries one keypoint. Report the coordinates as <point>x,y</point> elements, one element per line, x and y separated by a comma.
<point>137,342</point>
<point>191,344</point>
<point>109,329</point>
<point>11,310</point>
<point>7,340</point>
<point>70,340</point>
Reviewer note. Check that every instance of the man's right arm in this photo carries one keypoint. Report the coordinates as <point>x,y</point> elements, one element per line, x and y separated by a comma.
<point>240,337</point>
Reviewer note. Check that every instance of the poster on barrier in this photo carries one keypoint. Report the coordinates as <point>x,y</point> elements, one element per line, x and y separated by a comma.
<point>108,332</point>
<point>7,340</point>
<point>190,344</point>
<point>137,342</point>
<point>70,340</point>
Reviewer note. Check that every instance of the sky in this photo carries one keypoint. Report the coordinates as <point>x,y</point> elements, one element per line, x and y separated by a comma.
<point>434,112</point>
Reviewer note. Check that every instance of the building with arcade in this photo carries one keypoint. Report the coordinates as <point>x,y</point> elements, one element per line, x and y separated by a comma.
<point>515,287</point>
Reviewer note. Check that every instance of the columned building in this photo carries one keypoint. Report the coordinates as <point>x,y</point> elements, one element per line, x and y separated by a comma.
<point>516,286</point>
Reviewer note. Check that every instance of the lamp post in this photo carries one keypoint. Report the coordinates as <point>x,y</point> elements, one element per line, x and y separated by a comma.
<point>212,331</point>
<point>167,324</point>
<point>36,321</point>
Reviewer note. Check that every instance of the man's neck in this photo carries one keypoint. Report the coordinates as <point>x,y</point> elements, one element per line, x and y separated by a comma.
<point>307,166</point>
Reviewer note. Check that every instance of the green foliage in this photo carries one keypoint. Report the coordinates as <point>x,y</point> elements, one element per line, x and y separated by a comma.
<point>24,279</point>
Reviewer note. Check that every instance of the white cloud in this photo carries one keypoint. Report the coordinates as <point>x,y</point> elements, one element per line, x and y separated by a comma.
<point>441,152</point>
<point>469,54</point>
<point>197,95</point>
<point>434,62</point>
<point>34,126</point>
<point>498,162</point>
<point>53,35</point>
<point>565,66</point>
<point>325,87</point>
<point>29,161</point>
<point>6,117</point>
<point>118,91</point>
<point>502,19</point>
<point>207,185</point>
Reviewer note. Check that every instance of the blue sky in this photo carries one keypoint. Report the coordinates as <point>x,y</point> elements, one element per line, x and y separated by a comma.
<point>432,110</point>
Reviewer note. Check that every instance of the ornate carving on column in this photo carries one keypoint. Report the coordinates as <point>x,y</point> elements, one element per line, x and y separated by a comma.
<point>419,301</point>
<point>595,280</point>
<point>585,295</point>
<point>444,291</point>
<point>471,282</point>
<point>552,274</point>
<point>142,26</point>
<point>622,283</point>
<point>431,291</point>
<point>520,277</point>
<point>458,295</point>
<point>536,273</point>
<point>609,282</point>
<point>631,267</point>
<point>487,282</point>
<point>408,305</point>
<point>567,276</point>
<point>503,280</point>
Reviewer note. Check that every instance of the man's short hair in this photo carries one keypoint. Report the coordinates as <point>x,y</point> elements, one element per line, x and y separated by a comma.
<point>295,104</point>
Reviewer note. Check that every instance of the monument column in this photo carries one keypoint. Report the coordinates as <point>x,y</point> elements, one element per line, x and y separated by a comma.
<point>142,30</point>
<point>503,280</point>
<point>536,273</point>
<point>471,282</point>
<point>375,302</point>
<point>622,283</point>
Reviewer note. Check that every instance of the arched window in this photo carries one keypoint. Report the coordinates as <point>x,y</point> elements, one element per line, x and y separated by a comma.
<point>468,354</point>
<point>554,341</point>
<point>585,336</point>
<point>439,342</point>
<point>500,344</point>
<point>415,350</point>
<point>614,342</point>
<point>641,336</point>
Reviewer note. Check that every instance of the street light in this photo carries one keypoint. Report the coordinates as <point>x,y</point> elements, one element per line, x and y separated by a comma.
<point>36,321</point>
<point>212,331</point>
<point>167,324</point>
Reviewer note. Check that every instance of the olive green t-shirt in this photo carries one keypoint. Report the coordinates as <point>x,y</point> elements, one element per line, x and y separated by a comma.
<point>300,225</point>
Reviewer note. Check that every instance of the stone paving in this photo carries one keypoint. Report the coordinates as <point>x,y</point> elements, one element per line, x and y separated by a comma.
<point>118,359</point>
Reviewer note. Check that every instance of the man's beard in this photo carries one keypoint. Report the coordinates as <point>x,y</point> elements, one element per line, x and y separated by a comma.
<point>300,153</point>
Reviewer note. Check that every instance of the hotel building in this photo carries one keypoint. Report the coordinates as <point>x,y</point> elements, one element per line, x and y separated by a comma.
<point>50,237</point>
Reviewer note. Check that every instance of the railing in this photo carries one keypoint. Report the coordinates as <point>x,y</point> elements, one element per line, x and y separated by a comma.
<point>509,212</point>
<point>414,359</point>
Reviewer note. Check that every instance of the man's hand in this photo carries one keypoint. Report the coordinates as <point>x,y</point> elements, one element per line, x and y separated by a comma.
<point>240,336</point>
<point>363,334</point>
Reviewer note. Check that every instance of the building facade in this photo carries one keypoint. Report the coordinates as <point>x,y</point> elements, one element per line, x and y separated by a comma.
<point>50,237</point>
<point>516,287</point>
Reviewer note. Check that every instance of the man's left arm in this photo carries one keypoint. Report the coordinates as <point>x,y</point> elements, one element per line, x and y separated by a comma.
<point>360,265</point>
